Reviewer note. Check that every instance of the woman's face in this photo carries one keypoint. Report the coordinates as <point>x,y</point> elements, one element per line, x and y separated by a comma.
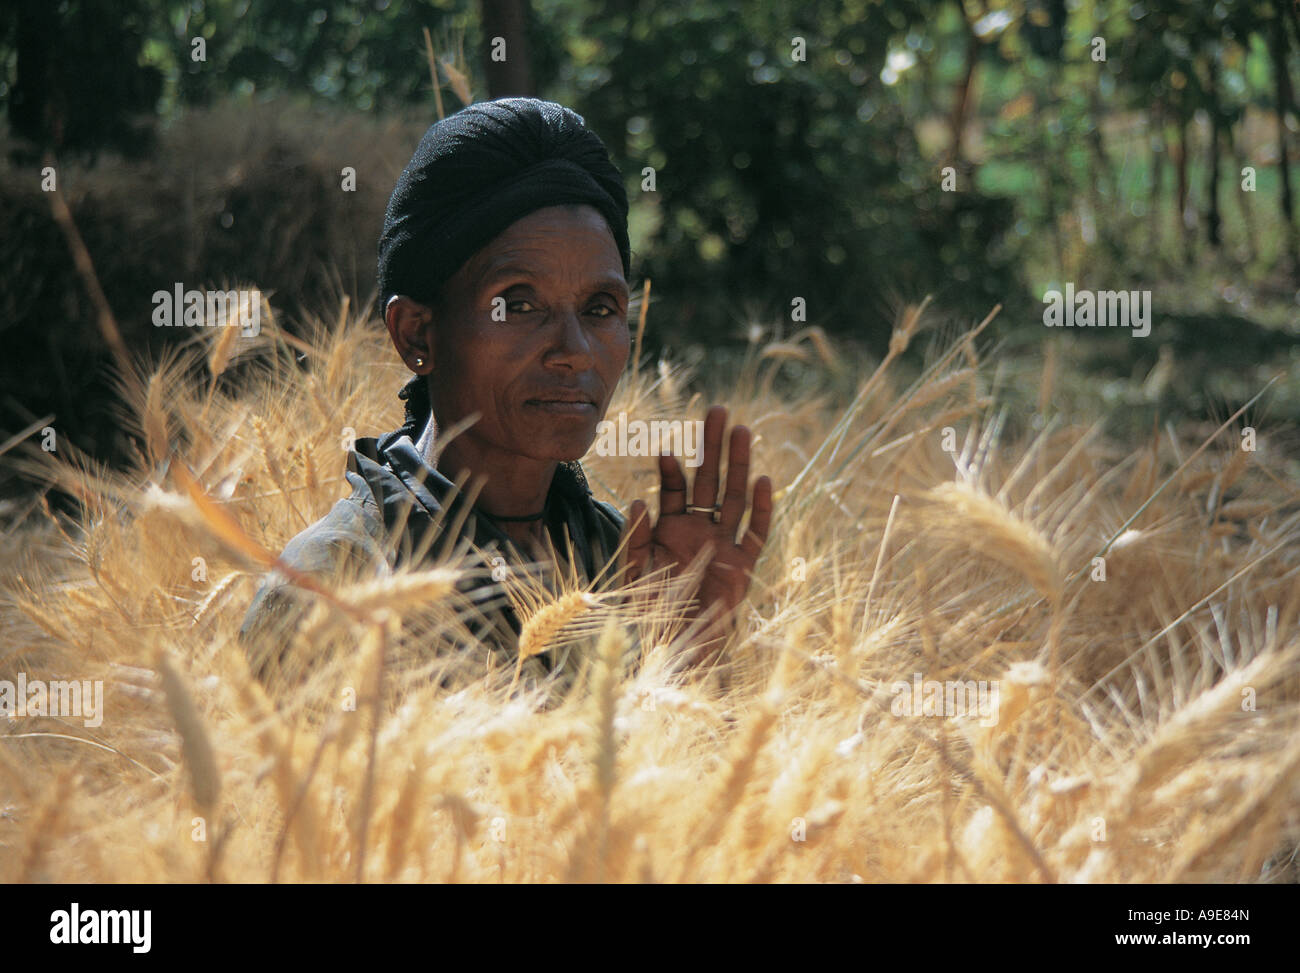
<point>532,334</point>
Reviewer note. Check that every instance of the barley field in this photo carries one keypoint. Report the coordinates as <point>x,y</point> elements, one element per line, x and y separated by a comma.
<point>1133,606</point>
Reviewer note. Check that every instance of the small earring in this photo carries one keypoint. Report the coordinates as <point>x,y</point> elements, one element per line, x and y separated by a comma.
<point>419,362</point>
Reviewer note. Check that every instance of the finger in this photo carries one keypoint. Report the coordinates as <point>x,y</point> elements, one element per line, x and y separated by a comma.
<point>733,501</point>
<point>672,486</point>
<point>638,545</point>
<point>760,518</point>
<point>706,478</point>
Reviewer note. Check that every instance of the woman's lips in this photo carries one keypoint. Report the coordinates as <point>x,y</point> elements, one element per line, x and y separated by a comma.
<point>563,408</point>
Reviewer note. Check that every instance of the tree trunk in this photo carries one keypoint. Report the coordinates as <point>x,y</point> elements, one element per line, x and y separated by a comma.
<point>35,111</point>
<point>962,97</point>
<point>1284,105</point>
<point>1213,220</point>
<point>1239,162</point>
<point>1185,217</point>
<point>507,20</point>
<point>1157,178</point>
<point>1105,177</point>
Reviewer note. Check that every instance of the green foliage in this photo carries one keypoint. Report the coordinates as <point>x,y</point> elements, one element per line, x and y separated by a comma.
<point>360,53</point>
<point>775,177</point>
<point>779,178</point>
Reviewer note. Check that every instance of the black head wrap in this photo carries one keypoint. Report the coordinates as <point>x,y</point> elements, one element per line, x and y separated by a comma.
<point>474,174</point>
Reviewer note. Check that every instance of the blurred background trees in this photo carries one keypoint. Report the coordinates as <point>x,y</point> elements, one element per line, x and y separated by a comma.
<point>857,154</point>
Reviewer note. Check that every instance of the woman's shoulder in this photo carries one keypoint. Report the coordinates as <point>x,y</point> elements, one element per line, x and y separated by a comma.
<point>344,544</point>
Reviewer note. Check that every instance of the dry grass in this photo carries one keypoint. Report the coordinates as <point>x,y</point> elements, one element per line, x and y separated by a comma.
<point>1146,726</point>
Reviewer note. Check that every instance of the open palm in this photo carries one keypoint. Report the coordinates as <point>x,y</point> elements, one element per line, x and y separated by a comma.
<point>683,530</point>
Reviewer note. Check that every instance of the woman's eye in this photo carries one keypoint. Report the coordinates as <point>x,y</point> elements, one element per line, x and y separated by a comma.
<point>520,305</point>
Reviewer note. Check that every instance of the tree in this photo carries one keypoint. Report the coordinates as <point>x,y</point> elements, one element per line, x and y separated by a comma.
<point>505,30</point>
<point>78,84</point>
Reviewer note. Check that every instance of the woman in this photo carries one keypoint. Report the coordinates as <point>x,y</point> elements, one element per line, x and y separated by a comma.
<point>503,267</point>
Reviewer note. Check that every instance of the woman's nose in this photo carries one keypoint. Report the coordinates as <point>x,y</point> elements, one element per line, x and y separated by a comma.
<point>572,343</point>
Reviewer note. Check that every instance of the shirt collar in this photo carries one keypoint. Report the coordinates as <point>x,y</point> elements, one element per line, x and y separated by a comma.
<point>567,496</point>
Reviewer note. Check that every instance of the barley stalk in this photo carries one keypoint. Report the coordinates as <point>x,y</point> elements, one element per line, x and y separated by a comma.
<point>205,780</point>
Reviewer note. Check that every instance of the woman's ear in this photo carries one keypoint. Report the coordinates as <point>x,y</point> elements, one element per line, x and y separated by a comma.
<point>410,325</point>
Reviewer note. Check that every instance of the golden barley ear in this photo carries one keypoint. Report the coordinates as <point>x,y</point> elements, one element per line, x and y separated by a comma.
<point>200,758</point>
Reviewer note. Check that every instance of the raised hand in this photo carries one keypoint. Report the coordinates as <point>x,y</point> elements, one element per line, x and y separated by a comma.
<point>683,530</point>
